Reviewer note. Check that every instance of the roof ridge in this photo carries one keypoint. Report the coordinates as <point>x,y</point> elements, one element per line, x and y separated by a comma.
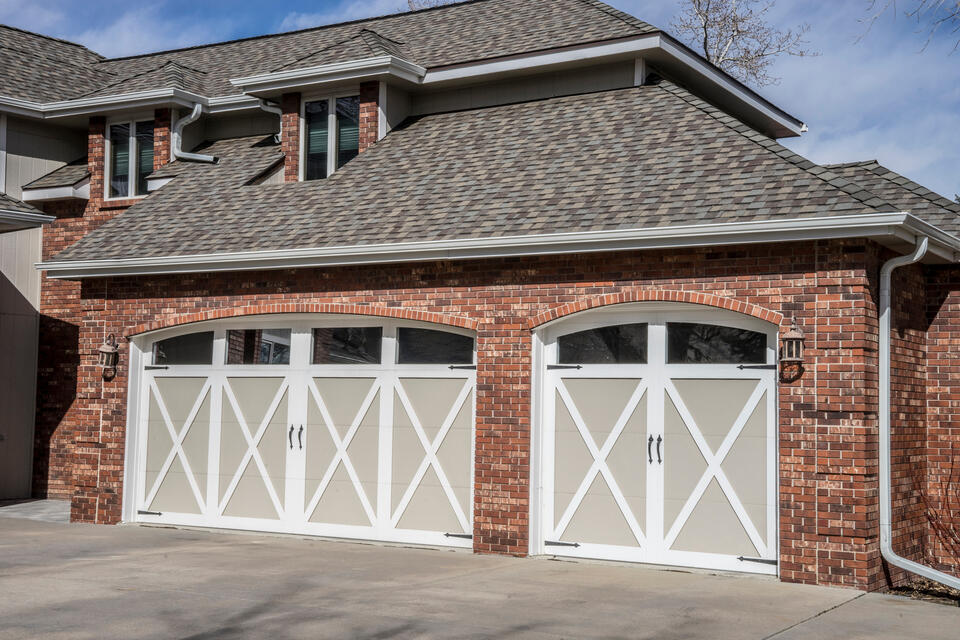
<point>124,80</point>
<point>55,39</point>
<point>357,36</point>
<point>857,163</point>
<point>320,27</point>
<point>836,181</point>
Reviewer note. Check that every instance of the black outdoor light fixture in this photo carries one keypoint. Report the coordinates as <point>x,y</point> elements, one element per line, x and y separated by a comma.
<point>109,356</point>
<point>791,353</point>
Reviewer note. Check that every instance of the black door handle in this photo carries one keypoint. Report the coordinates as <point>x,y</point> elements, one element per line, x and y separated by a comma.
<point>300,437</point>
<point>649,455</point>
<point>291,436</point>
<point>659,440</point>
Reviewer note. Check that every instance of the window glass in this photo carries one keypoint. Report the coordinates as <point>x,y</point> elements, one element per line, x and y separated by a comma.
<point>192,348</point>
<point>347,345</point>
<point>621,344</point>
<point>317,122</point>
<point>119,160</point>
<point>712,344</point>
<point>426,346</point>
<point>258,346</point>
<point>348,129</point>
<point>144,135</point>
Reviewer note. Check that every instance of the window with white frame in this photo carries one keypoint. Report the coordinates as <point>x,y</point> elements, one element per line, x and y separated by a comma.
<point>331,135</point>
<point>130,158</point>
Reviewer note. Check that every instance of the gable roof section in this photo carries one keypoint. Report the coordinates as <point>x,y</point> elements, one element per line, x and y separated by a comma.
<point>654,158</point>
<point>909,196</point>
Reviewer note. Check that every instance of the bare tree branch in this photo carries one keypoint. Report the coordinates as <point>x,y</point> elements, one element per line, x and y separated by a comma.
<point>736,36</point>
<point>426,4</point>
<point>930,15</point>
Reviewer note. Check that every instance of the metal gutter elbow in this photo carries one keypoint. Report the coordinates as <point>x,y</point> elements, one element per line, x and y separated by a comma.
<point>886,509</point>
<point>272,108</point>
<point>178,152</point>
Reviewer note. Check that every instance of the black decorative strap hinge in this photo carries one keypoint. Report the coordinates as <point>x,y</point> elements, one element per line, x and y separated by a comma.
<point>760,560</point>
<point>148,513</point>
<point>551,543</point>
<point>463,366</point>
<point>563,366</point>
<point>756,366</point>
<point>154,367</point>
<point>465,536</point>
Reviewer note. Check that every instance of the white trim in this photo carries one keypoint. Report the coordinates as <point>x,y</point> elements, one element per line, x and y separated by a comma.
<point>23,220</point>
<point>332,129</point>
<point>639,72</point>
<point>897,226</point>
<point>332,73</point>
<point>155,183</point>
<point>383,123</point>
<point>80,191</point>
<point>3,153</point>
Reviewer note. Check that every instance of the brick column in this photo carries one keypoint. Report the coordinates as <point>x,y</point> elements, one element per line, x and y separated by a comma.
<point>161,137</point>
<point>96,150</point>
<point>369,114</point>
<point>290,139</point>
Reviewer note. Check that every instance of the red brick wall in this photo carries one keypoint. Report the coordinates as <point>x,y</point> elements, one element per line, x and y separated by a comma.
<point>828,435</point>
<point>290,136</point>
<point>161,138</point>
<point>369,114</point>
<point>942,488</point>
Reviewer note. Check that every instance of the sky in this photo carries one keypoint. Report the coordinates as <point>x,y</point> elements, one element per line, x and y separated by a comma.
<point>881,93</point>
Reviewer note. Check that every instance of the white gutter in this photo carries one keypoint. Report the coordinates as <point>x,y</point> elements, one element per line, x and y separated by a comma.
<point>886,517</point>
<point>177,147</point>
<point>272,108</point>
<point>23,220</point>
<point>901,227</point>
<point>332,73</point>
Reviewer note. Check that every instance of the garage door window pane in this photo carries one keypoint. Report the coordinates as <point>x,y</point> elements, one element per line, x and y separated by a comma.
<point>258,346</point>
<point>621,344</point>
<point>689,343</point>
<point>347,345</point>
<point>426,346</point>
<point>192,348</point>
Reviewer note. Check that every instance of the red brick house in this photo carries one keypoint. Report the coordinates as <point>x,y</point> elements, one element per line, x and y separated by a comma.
<point>524,277</point>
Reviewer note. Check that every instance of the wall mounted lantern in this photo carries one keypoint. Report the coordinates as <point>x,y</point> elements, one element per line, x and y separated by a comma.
<point>791,353</point>
<point>109,356</point>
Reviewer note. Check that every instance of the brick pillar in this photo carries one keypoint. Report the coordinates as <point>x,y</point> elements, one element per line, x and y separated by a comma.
<point>290,140</point>
<point>369,114</point>
<point>161,137</point>
<point>96,150</point>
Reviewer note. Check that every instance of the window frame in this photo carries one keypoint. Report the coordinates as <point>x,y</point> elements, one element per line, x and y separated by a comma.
<point>134,152</point>
<point>332,132</point>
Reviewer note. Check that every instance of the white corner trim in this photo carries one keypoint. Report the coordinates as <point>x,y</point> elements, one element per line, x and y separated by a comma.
<point>80,190</point>
<point>330,73</point>
<point>383,124</point>
<point>639,72</point>
<point>901,226</point>
<point>3,153</point>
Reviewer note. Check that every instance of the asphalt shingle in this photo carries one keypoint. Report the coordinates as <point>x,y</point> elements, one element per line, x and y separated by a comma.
<point>66,176</point>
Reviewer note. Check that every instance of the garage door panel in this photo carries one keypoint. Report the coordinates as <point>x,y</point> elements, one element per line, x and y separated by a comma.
<point>626,463</point>
<point>343,399</point>
<point>600,402</point>
<point>598,519</point>
<point>159,442</point>
<point>250,498</point>
<point>320,450</point>
<point>713,527</point>
<point>572,459</point>
<point>340,503</point>
<point>233,446</point>
<point>746,467</point>
<point>431,400</point>
<point>408,452</point>
<point>456,453</point>
<point>196,444</point>
<point>429,508</point>
<point>273,448</point>
<point>175,493</point>
<point>364,449</point>
<point>714,404</point>
<point>683,468</point>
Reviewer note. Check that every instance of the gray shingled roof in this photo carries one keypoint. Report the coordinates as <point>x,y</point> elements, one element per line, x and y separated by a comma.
<point>44,69</point>
<point>65,176</point>
<point>12,204</point>
<point>905,193</point>
<point>655,156</point>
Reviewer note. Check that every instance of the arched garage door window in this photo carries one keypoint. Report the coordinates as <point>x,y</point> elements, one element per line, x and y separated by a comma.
<point>658,440</point>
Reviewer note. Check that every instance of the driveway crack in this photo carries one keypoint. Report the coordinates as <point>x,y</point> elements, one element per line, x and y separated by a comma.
<point>813,617</point>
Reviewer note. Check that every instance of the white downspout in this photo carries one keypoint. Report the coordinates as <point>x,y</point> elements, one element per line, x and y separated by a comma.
<point>886,518</point>
<point>178,152</point>
<point>272,108</point>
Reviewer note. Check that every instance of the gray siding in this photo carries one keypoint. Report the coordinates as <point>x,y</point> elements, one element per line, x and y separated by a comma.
<point>257,123</point>
<point>548,85</point>
<point>36,148</point>
<point>397,106</point>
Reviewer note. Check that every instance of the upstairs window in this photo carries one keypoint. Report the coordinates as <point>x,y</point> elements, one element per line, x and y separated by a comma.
<point>131,158</point>
<point>331,135</point>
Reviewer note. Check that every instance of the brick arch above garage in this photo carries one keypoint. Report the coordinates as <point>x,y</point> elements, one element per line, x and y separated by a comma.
<point>656,295</point>
<point>275,308</point>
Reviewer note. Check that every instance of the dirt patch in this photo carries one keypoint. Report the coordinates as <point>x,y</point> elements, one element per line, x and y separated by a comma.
<point>923,589</point>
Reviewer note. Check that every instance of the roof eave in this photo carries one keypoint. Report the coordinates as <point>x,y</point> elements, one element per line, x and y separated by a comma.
<point>269,84</point>
<point>891,228</point>
<point>19,220</point>
<point>77,191</point>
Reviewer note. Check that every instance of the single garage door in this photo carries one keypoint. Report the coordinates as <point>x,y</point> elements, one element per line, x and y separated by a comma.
<point>333,426</point>
<point>659,439</point>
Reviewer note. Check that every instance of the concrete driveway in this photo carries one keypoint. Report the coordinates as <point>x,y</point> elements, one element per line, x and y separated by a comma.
<point>81,581</point>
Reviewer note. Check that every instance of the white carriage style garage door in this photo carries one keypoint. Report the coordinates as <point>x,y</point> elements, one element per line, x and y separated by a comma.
<point>335,426</point>
<point>658,438</point>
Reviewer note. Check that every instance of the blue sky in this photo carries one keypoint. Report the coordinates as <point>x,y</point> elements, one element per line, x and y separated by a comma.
<point>881,95</point>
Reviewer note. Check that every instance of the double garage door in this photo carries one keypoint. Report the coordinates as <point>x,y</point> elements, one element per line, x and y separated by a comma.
<point>345,428</point>
<point>655,438</point>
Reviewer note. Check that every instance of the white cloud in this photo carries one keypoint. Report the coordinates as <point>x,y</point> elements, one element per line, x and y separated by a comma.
<point>32,16</point>
<point>344,11</point>
<point>148,29</point>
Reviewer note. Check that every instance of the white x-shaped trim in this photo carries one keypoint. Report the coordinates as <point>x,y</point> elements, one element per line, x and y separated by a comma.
<point>430,459</point>
<point>714,469</point>
<point>600,460</point>
<point>252,443</point>
<point>178,437</point>
<point>342,444</point>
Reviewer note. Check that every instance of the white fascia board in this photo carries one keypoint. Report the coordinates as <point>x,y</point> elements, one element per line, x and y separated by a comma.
<point>534,61</point>
<point>23,220</point>
<point>881,225</point>
<point>710,72</point>
<point>330,73</point>
<point>82,106</point>
<point>80,191</point>
<point>224,104</point>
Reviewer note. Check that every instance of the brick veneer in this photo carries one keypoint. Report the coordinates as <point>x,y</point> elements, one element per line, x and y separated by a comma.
<point>290,136</point>
<point>369,114</point>
<point>161,137</point>
<point>828,418</point>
